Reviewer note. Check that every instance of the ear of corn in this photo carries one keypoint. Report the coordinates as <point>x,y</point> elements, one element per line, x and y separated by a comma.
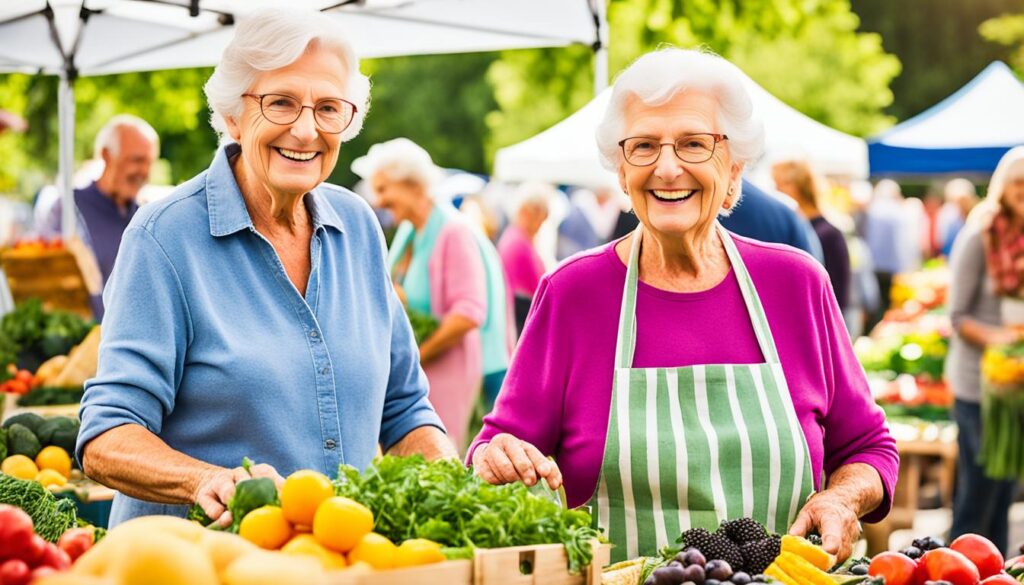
<point>775,572</point>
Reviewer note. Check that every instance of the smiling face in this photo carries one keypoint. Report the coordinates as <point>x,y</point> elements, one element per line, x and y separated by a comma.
<point>670,197</point>
<point>398,197</point>
<point>294,158</point>
<point>128,171</point>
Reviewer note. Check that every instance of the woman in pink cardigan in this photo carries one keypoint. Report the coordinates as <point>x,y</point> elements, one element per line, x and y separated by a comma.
<point>447,269</point>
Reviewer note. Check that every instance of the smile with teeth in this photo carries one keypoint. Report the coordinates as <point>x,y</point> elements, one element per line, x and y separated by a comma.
<point>673,195</point>
<point>295,155</point>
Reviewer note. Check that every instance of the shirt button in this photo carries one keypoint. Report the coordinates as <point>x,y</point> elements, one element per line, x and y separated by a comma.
<point>314,334</point>
<point>330,444</point>
<point>325,371</point>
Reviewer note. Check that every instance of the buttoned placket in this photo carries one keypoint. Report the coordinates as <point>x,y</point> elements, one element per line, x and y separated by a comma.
<point>328,408</point>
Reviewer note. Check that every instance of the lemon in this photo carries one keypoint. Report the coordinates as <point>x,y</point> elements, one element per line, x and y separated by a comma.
<point>20,466</point>
<point>50,478</point>
<point>266,527</point>
<point>418,551</point>
<point>55,458</point>
<point>340,523</point>
<point>307,545</point>
<point>302,493</point>
<point>375,550</point>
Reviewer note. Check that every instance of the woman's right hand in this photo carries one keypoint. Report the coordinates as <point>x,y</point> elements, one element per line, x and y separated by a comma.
<point>506,459</point>
<point>218,485</point>
<point>1002,336</point>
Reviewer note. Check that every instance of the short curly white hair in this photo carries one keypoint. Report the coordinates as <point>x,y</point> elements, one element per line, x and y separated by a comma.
<point>658,76</point>
<point>400,159</point>
<point>273,38</point>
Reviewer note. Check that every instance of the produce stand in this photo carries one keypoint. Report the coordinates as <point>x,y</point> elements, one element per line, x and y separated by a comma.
<point>56,276</point>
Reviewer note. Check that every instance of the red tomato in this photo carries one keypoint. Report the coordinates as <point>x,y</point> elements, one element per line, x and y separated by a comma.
<point>946,564</point>
<point>897,568</point>
<point>76,542</point>
<point>1000,579</point>
<point>14,572</point>
<point>17,387</point>
<point>982,553</point>
<point>24,375</point>
<point>16,534</point>
<point>56,558</point>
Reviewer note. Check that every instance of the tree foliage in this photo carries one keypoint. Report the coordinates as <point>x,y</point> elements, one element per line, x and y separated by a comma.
<point>938,43</point>
<point>809,53</point>
<point>1007,30</point>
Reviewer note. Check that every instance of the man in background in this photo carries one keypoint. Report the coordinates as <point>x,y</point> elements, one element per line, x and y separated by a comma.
<point>128,146</point>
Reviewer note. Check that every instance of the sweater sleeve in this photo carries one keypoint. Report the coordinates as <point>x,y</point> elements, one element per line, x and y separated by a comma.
<point>529,406</point>
<point>855,430</point>
<point>462,274</point>
<point>967,265</point>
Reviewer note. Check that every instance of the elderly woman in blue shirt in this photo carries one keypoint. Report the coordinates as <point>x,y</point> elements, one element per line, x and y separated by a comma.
<point>251,313</point>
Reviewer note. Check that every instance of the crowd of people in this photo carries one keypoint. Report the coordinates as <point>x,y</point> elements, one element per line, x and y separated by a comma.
<point>612,331</point>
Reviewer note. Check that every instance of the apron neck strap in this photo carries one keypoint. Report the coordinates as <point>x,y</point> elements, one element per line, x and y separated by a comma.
<point>625,343</point>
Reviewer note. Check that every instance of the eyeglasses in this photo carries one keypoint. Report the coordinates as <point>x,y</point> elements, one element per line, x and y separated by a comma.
<point>332,115</point>
<point>641,151</point>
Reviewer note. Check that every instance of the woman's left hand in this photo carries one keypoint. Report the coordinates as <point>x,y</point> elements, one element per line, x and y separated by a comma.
<point>835,519</point>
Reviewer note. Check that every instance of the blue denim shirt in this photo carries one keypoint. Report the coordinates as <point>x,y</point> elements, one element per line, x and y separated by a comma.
<point>207,343</point>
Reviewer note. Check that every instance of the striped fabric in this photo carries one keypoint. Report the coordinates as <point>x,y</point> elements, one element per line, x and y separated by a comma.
<point>693,446</point>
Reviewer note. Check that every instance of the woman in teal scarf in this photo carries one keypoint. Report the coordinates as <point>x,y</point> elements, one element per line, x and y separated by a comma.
<point>448,269</point>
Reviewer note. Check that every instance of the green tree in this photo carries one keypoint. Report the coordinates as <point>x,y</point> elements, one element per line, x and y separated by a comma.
<point>937,42</point>
<point>1007,30</point>
<point>807,52</point>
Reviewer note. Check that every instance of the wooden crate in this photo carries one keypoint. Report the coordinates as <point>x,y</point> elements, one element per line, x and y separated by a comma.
<point>544,564</point>
<point>53,276</point>
<point>446,573</point>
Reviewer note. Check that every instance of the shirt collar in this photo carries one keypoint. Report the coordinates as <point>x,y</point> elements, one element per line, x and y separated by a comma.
<point>228,213</point>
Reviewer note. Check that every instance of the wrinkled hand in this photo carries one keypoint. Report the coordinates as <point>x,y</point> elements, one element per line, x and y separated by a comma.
<point>218,485</point>
<point>835,520</point>
<point>506,459</point>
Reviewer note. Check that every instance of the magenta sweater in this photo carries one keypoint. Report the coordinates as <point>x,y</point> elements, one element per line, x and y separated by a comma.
<point>558,389</point>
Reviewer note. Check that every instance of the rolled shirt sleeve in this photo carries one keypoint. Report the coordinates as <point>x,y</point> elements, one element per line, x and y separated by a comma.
<point>145,335</point>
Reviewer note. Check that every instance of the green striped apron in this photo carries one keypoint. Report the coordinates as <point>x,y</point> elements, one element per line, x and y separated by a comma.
<point>690,447</point>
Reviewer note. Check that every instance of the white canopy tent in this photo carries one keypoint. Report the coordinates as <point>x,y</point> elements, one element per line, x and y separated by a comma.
<point>566,153</point>
<point>72,38</point>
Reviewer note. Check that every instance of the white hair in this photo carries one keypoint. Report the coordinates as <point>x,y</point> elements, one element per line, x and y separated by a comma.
<point>273,38</point>
<point>109,137</point>
<point>658,76</point>
<point>399,159</point>
<point>533,193</point>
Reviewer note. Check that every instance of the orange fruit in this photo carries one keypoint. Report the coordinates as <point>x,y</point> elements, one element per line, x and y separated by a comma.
<point>54,458</point>
<point>340,523</point>
<point>302,493</point>
<point>375,550</point>
<point>418,551</point>
<point>307,545</point>
<point>266,527</point>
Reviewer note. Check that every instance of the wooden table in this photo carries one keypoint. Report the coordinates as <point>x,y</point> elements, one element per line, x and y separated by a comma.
<point>914,457</point>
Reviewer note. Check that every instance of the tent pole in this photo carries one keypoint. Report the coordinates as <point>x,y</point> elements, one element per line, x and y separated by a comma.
<point>599,9</point>
<point>66,125</point>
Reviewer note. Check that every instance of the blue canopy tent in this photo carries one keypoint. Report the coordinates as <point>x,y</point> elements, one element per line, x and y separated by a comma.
<point>965,133</point>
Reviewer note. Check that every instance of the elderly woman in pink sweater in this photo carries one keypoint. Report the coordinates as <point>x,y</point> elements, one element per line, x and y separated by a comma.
<point>682,375</point>
<point>447,269</point>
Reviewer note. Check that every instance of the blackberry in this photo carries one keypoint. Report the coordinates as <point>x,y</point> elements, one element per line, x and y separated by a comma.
<point>758,555</point>
<point>724,549</point>
<point>814,538</point>
<point>698,538</point>
<point>743,530</point>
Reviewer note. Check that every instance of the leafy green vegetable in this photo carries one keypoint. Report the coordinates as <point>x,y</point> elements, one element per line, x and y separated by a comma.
<point>445,502</point>
<point>46,396</point>
<point>423,324</point>
<point>21,441</point>
<point>30,329</point>
<point>51,517</point>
